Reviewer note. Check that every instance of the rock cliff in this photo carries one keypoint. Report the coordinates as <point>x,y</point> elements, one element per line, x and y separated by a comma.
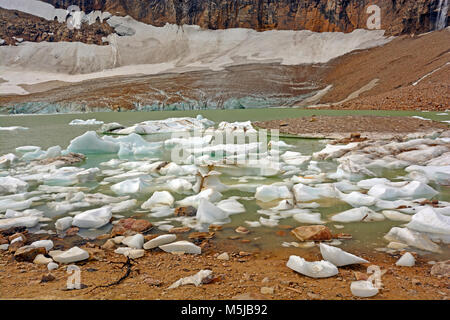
<point>397,16</point>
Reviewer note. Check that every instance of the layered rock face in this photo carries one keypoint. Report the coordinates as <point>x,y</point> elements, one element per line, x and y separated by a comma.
<point>397,16</point>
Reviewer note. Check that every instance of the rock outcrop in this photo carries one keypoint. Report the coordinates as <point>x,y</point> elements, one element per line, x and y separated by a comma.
<point>397,16</point>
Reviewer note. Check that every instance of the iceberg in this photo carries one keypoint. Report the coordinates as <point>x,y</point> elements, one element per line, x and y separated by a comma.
<point>90,143</point>
<point>439,174</point>
<point>306,193</point>
<point>412,239</point>
<point>132,186</point>
<point>89,122</point>
<point>28,222</point>
<point>431,222</point>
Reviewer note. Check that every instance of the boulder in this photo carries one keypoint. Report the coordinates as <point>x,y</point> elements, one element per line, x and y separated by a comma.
<point>312,233</point>
<point>317,269</point>
<point>185,211</point>
<point>159,241</point>
<point>339,257</point>
<point>28,253</point>
<point>130,226</point>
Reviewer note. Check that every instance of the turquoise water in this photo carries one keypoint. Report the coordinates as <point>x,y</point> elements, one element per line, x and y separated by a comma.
<point>50,130</point>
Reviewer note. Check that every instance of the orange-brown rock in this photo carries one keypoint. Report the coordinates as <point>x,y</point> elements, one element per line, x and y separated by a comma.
<point>312,233</point>
<point>130,226</point>
<point>28,253</point>
<point>185,211</point>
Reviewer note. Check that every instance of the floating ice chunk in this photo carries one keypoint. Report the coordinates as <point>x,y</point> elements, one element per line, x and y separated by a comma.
<point>279,144</point>
<point>181,246</point>
<point>159,199</point>
<point>407,260</point>
<point>268,222</point>
<point>166,126</point>
<point>253,224</point>
<point>93,219</point>
<point>345,186</point>
<point>356,199</point>
<point>47,244</point>
<point>284,205</point>
<point>350,170</point>
<point>159,241</point>
<point>386,204</point>
<point>414,189</point>
<point>74,254</point>
<point>132,186</point>
<point>358,215</point>
<point>294,158</point>
<point>396,216</point>
<point>317,269</point>
<point>423,154</point>
<point>412,239</point>
<point>12,185</point>
<point>369,183</point>
<point>443,160</point>
<point>339,257</point>
<point>136,241</point>
<point>363,289</point>
<point>439,174</point>
<point>332,151</point>
<point>25,149</point>
<point>197,279</point>
<point>208,194</point>
<point>161,212</point>
<point>209,213</point>
<point>6,204</point>
<point>63,223</point>
<point>7,159</point>
<point>309,218</point>
<point>272,192</point>
<point>90,143</point>
<point>27,213</point>
<point>123,206</point>
<point>231,206</point>
<point>13,128</point>
<point>28,222</point>
<point>307,193</point>
<point>179,185</point>
<point>429,221</point>
<point>236,126</point>
<point>89,122</point>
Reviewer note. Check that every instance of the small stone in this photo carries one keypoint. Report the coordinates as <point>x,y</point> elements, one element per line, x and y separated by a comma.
<point>41,259</point>
<point>52,266</point>
<point>109,244</point>
<point>118,239</point>
<point>242,230</point>
<point>407,260</point>
<point>223,256</point>
<point>47,278</point>
<point>201,235</point>
<point>267,290</point>
<point>130,226</point>
<point>185,211</point>
<point>441,268</point>
<point>180,230</point>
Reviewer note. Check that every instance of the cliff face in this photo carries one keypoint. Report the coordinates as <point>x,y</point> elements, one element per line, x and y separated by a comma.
<point>398,16</point>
